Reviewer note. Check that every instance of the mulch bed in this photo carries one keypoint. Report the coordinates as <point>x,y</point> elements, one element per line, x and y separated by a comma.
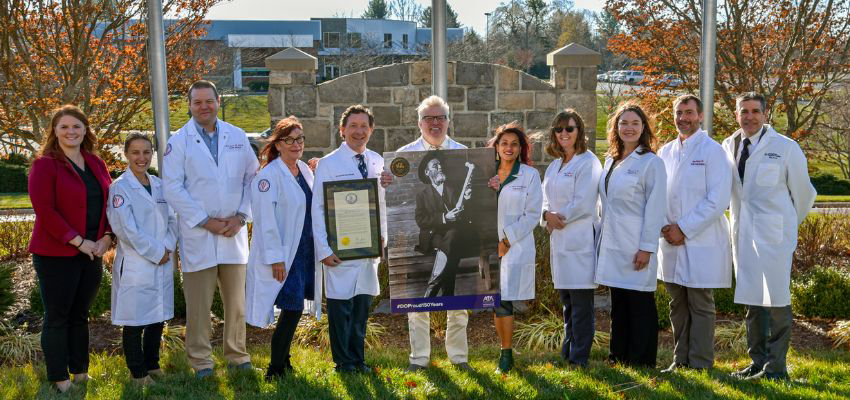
<point>806,334</point>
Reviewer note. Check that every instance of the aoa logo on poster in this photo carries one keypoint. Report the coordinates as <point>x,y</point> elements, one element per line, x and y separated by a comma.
<point>489,301</point>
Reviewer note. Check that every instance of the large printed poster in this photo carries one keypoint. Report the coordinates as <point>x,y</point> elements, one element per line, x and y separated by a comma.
<point>441,219</point>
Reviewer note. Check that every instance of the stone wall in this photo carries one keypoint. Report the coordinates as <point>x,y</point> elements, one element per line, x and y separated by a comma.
<point>481,97</point>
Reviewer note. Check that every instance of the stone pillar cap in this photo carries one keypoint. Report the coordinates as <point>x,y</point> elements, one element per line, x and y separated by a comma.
<point>574,55</point>
<point>292,59</point>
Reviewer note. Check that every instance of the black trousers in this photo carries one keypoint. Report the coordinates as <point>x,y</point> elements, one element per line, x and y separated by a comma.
<point>769,336</point>
<point>68,285</point>
<point>579,324</point>
<point>282,337</point>
<point>347,324</point>
<point>443,283</point>
<point>634,327</point>
<point>141,348</point>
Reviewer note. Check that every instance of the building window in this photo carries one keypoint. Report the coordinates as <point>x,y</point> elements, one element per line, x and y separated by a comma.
<point>330,40</point>
<point>388,40</point>
<point>331,71</point>
<point>404,40</point>
<point>354,40</point>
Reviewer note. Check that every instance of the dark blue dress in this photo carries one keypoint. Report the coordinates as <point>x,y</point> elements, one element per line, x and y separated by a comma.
<point>299,281</point>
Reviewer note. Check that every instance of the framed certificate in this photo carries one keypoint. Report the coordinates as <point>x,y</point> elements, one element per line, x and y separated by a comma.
<point>352,218</point>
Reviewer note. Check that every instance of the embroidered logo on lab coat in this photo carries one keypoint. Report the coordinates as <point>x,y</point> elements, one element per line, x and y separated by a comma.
<point>264,185</point>
<point>772,156</point>
<point>632,171</point>
<point>233,146</point>
<point>699,163</point>
<point>117,201</point>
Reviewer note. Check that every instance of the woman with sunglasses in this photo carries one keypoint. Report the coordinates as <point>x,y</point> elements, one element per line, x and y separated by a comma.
<point>570,195</point>
<point>281,265</point>
<point>633,193</point>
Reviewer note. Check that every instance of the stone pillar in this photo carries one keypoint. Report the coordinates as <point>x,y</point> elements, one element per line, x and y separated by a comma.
<point>574,77</point>
<point>292,91</point>
<point>237,68</point>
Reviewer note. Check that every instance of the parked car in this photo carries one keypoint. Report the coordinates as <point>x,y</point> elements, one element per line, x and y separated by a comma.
<point>671,80</point>
<point>258,139</point>
<point>631,77</point>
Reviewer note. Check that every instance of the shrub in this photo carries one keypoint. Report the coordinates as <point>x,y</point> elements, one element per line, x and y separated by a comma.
<point>822,293</point>
<point>7,295</point>
<point>15,239</point>
<point>545,332</point>
<point>16,346</point>
<point>13,178</point>
<point>662,304</point>
<point>16,159</point>
<point>731,335</point>
<point>840,333</point>
<point>724,301</point>
<point>102,301</point>
<point>830,184</point>
<point>821,237</point>
<point>315,332</point>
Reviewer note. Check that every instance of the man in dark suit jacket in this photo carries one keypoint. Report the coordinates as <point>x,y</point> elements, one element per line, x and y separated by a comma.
<point>443,228</point>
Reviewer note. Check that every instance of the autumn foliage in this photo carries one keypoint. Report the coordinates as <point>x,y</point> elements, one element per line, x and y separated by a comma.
<point>794,52</point>
<point>91,53</point>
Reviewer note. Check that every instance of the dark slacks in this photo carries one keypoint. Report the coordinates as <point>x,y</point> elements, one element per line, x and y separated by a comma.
<point>579,324</point>
<point>347,324</point>
<point>443,283</point>
<point>282,337</point>
<point>68,285</point>
<point>692,315</point>
<point>141,348</point>
<point>768,337</point>
<point>634,327</point>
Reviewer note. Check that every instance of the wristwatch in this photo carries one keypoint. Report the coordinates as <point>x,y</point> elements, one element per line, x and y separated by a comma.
<point>242,220</point>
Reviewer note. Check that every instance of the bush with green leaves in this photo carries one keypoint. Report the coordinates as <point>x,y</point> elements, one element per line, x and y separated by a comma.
<point>13,178</point>
<point>829,184</point>
<point>17,347</point>
<point>14,239</point>
<point>102,301</point>
<point>824,292</point>
<point>662,304</point>
<point>7,295</point>
<point>724,301</point>
<point>545,332</point>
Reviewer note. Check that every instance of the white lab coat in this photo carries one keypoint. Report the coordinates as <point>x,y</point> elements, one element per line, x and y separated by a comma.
<point>142,290</point>
<point>278,205</point>
<point>520,205</point>
<point>196,188</point>
<point>774,199</point>
<point>352,277</point>
<point>572,190</point>
<point>699,186</point>
<point>633,212</point>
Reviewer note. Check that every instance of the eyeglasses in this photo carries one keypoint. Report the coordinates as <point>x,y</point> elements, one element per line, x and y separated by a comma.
<point>291,140</point>
<point>560,129</point>
<point>434,118</point>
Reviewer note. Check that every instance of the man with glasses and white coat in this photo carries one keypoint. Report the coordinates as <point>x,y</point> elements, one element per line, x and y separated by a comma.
<point>694,253</point>
<point>433,124</point>
<point>771,195</point>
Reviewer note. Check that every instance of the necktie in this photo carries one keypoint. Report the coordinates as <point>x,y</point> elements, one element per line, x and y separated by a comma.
<point>742,162</point>
<point>361,165</point>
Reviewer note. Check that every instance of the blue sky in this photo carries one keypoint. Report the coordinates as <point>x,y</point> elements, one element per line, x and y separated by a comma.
<point>470,12</point>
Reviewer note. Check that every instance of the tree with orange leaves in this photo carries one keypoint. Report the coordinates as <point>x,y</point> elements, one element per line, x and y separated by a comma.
<point>793,52</point>
<point>92,53</point>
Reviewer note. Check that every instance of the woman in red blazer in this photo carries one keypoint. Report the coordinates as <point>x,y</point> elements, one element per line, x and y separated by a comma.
<point>68,187</point>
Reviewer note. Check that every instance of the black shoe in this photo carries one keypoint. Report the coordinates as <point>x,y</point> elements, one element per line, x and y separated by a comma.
<point>773,376</point>
<point>364,369</point>
<point>747,372</point>
<point>275,373</point>
<point>506,361</point>
<point>673,367</point>
<point>415,367</point>
<point>345,369</point>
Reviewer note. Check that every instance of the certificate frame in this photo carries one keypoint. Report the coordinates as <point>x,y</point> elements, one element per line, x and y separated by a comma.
<point>370,185</point>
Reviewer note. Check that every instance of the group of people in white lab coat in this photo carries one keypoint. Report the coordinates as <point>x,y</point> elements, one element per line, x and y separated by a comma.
<point>610,225</point>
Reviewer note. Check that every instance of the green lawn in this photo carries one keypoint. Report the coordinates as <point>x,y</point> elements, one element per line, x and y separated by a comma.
<point>822,198</point>
<point>249,112</point>
<point>815,374</point>
<point>14,200</point>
